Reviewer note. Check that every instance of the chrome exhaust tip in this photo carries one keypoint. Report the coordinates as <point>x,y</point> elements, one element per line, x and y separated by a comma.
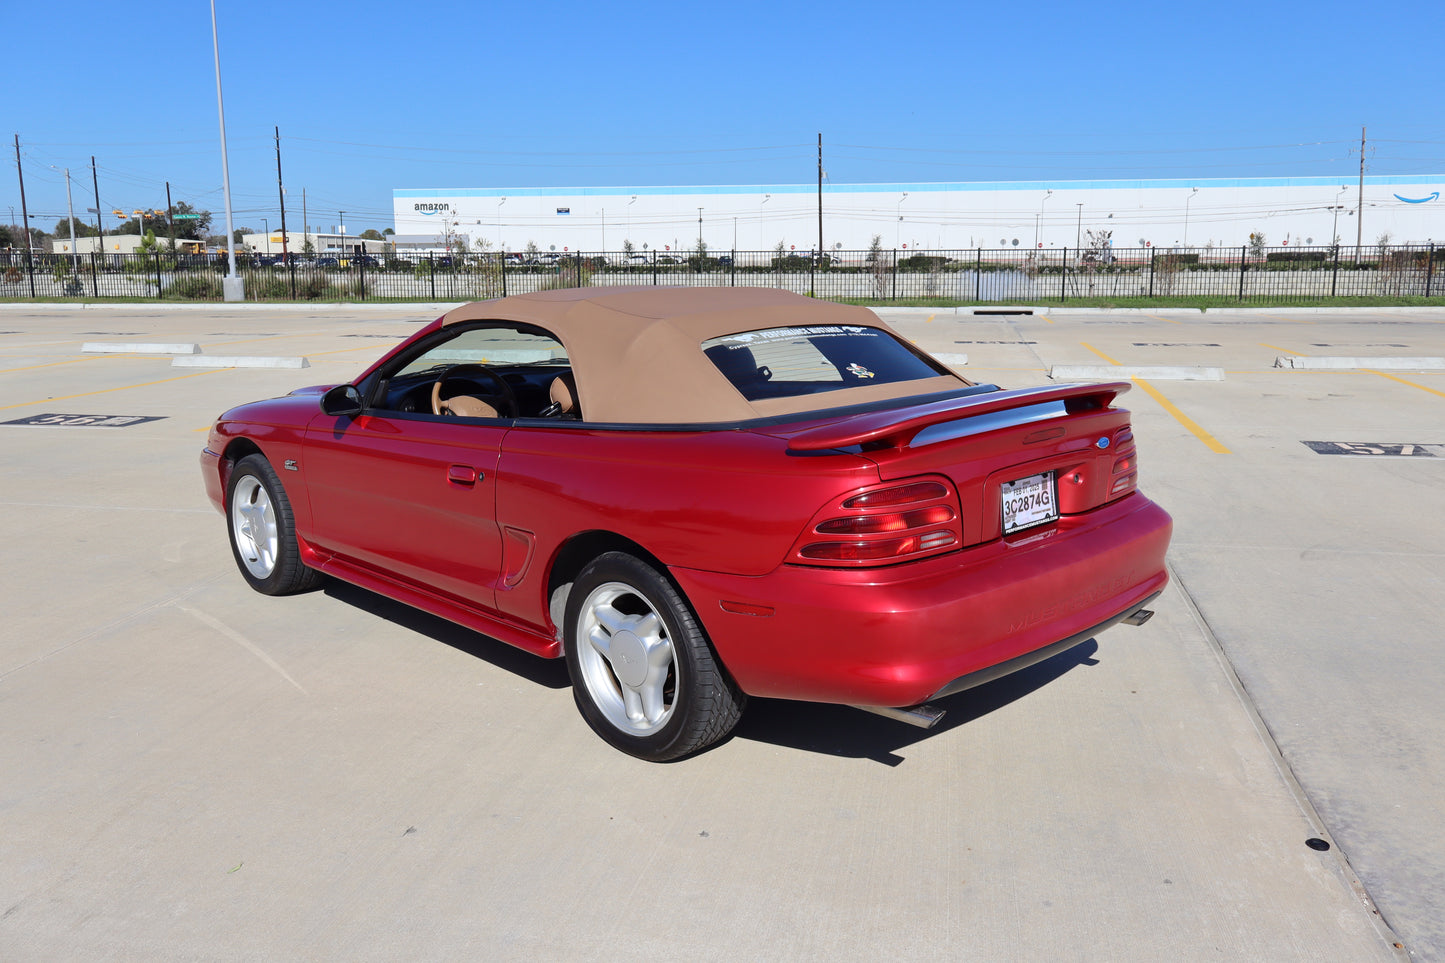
<point>924,716</point>
<point>1139,617</point>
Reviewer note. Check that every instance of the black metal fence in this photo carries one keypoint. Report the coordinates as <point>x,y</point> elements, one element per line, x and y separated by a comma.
<point>1049,276</point>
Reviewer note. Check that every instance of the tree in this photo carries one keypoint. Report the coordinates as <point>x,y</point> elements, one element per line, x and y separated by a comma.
<point>877,266</point>
<point>370,234</point>
<point>82,229</point>
<point>193,228</point>
<point>14,237</point>
<point>388,232</point>
<point>1256,243</point>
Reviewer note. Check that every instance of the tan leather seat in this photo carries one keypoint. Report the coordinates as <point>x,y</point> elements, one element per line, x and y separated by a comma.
<point>563,392</point>
<point>465,406</point>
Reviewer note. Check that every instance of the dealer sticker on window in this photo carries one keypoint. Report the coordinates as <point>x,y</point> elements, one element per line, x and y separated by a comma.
<point>1029,501</point>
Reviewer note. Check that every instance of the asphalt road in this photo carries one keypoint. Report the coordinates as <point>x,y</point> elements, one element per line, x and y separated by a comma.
<point>193,771</point>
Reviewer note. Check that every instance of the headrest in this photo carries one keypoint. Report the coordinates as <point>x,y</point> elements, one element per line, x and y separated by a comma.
<point>563,393</point>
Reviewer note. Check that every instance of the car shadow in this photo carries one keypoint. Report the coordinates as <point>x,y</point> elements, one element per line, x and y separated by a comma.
<point>852,733</point>
<point>805,726</point>
<point>551,673</point>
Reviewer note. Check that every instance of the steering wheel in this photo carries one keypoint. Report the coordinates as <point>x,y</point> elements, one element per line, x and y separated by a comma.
<point>501,397</point>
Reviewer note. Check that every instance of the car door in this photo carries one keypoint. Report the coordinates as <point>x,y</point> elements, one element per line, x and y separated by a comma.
<point>410,497</point>
<point>409,493</point>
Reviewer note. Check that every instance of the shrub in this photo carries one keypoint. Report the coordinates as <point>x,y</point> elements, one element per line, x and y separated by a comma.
<point>922,262</point>
<point>196,287</point>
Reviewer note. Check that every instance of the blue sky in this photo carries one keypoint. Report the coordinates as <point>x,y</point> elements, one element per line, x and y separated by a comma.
<point>555,93</point>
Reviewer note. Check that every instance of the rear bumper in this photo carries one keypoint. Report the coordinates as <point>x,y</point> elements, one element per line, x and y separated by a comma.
<point>901,635</point>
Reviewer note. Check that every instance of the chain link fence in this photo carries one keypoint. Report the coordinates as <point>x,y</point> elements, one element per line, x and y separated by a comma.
<point>1049,276</point>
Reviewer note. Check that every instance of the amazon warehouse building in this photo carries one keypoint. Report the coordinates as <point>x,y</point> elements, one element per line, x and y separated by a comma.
<point>1199,215</point>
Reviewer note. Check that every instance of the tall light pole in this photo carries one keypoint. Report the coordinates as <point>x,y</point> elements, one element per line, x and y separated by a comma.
<point>341,232</point>
<point>1187,198</point>
<point>1039,217</point>
<point>1079,228</point>
<point>898,227</point>
<point>266,226</point>
<point>699,236</point>
<point>232,286</point>
<point>1334,227</point>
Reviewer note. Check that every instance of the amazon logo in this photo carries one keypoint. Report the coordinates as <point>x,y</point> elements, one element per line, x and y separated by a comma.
<point>1433,196</point>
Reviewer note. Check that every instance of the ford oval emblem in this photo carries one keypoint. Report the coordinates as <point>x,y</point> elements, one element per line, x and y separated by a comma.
<point>1102,443</point>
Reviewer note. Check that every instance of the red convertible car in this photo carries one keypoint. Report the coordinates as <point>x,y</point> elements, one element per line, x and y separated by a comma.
<point>694,495</point>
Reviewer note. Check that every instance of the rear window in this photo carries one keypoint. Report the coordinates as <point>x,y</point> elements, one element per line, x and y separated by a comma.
<point>785,362</point>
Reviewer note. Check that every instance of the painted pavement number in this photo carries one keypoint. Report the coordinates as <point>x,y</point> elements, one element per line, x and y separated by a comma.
<point>1391,449</point>
<point>84,421</point>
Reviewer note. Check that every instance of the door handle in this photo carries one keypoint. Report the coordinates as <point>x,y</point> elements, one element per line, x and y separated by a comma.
<point>463,475</point>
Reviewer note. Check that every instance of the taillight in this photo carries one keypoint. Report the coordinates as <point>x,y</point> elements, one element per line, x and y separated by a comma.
<point>883,525</point>
<point>1125,473</point>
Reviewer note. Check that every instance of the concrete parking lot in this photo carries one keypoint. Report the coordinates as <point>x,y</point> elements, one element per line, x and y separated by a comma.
<point>189,770</point>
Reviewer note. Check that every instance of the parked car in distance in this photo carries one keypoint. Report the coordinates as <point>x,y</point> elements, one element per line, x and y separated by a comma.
<point>697,495</point>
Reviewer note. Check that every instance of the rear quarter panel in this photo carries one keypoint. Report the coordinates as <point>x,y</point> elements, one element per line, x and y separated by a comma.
<point>725,501</point>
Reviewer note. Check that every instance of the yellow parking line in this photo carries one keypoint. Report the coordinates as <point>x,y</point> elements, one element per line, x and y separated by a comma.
<point>1404,382</point>
<point>1047,319</point>
<point>1209,440</point>
<point>930,318</point>
<point>1285,350</point>
<point>1179,416</point>
<point>84,394</point>
<point>1158,318</point>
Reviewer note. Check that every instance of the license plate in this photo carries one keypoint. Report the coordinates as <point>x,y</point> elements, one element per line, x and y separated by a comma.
<point>1029,501</point>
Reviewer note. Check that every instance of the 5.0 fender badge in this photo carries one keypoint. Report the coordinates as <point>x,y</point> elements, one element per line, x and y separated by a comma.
<point>291,465</point>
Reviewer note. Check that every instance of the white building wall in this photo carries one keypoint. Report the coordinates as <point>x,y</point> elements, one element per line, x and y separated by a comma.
<point>1220,212</point>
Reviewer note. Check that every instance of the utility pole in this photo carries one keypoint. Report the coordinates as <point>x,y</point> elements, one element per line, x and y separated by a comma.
<point>305,225</point>
<point>1360,209</point>
<point>70,212</point>
<point>171,218</point>
<point>820,196</point>
<point>99,232</point>
<point>24,217</point>
<point>281,192</point>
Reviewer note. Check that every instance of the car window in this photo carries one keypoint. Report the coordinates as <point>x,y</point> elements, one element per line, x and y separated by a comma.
<point>783,362</point>
<point>491,346</point>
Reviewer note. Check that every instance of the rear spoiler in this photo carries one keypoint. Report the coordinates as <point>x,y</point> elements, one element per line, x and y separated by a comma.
<point>896,428</point>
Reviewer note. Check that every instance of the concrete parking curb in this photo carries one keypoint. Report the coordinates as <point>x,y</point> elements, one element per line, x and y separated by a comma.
<point>137,347</point>
<point>218,361</point>
<point>1335,363</point>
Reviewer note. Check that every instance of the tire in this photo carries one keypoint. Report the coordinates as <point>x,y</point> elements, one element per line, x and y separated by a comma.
<point>262,528</point>
<point>643,672</point>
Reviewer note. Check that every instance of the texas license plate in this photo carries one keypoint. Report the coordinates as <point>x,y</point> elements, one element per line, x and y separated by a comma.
<point>1029,501</point>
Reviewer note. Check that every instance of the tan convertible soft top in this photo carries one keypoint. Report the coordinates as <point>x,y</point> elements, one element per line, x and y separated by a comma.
<point>636,352</point>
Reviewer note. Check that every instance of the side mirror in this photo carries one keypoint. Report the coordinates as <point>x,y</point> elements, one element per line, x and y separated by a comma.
<point>343,400</point>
